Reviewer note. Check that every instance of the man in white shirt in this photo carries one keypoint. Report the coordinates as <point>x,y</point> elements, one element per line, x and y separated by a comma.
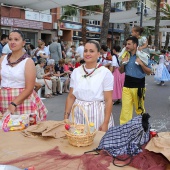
<point>80,49</point>
<point>6,50</point>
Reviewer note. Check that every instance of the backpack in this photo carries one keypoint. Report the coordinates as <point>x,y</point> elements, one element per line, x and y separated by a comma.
<point>126,139</point>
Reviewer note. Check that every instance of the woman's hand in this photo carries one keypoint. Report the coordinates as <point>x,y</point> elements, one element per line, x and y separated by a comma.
<point>11,109</point>
<point>103,127</point>
<point>66,116</point>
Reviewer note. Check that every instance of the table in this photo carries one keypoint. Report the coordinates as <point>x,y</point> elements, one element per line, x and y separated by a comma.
<point>14,145</point>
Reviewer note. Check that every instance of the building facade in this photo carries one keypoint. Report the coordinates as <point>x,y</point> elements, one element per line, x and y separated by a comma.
<point>35,25</point>
<point>47,24</point>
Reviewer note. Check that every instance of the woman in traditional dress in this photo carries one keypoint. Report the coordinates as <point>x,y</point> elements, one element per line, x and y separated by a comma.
<point>106,57</point>
<point>91,88</point>
<point>162,73</point>
<point>118,77</point>
<point>17,77</point>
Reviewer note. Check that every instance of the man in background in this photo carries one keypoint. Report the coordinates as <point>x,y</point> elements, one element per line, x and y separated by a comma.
<point>80,49</point>
<point>4,41</point>
<point>133,93</point>
<point>55,50</point>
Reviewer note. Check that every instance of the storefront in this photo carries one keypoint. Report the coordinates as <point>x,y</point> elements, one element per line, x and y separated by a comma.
<point>29,28</point>
<point>72,32</point>
<point>33,30</point>
<point>77,35</point>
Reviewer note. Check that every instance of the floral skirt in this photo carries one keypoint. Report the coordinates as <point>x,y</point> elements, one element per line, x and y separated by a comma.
<point>32,104</point>
<point>162,73</point>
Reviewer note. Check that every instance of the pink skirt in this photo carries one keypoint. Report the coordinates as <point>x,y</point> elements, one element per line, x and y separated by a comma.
<point>32,104</point>
<point>118,84</point>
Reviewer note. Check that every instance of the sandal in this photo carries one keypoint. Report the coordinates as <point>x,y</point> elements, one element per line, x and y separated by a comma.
<point>47,96</point>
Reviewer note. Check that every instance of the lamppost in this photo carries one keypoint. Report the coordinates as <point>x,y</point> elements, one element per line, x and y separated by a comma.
<point>140,11</point>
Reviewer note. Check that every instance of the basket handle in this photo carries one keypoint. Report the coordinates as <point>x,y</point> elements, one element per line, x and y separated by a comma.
<point>85,115</point>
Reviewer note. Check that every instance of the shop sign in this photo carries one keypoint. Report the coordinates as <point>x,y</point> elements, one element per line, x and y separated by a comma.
<point>88,35</point>
<point>32,15</point>
<point>37,16</point>
<point>14,22</point>
<point>93,29</point>
<point>79,27</point>
<point>70,26</point>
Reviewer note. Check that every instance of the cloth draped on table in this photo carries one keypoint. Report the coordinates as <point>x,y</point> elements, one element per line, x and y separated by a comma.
<point>54,159</point>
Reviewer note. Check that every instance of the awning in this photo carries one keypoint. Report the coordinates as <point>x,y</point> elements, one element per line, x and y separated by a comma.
<point>96,2</point>
<point>40,4</point>
<point>49,4</point>
<point>122,16</point>
<point>164,30</point>
<point>152,23</point>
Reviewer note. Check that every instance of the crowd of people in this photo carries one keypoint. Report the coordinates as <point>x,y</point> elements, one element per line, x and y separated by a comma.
<point>95,77</point>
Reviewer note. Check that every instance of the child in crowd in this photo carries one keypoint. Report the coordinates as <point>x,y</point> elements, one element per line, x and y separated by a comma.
<point>142,52</point>
<point>162,73</point>
<point>153,64</point>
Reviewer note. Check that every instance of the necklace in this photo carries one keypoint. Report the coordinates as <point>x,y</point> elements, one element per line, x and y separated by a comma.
<point>88,74</point>
<point>18,61</point>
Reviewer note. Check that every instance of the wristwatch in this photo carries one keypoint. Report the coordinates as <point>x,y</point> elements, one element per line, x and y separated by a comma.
<point>12,103</point>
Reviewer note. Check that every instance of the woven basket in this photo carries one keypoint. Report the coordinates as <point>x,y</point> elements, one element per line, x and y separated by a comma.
<point>80,139</point>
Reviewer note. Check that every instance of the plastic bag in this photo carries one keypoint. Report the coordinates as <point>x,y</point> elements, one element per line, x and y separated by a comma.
<point>14,122</point>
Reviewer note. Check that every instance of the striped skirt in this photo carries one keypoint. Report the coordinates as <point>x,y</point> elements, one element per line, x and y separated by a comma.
<point>95,113</point>
<point>32,104</point>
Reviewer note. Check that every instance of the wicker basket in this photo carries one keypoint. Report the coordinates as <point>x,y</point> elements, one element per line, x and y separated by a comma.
<point>80,139</point>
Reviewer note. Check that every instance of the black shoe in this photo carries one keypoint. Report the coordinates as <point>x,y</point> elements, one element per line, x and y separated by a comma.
<point>116,102</point>
<point>59,93</point>
<point>55,94</point>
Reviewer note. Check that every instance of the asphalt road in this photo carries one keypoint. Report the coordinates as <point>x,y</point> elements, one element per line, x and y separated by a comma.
<point>157,104</point>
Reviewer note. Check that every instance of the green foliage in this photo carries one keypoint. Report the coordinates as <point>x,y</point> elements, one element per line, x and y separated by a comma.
<point>149,30</point>
<point>72,11</point>
<point>166,12</point>
<point>68,11</point>
<point>97,8</point>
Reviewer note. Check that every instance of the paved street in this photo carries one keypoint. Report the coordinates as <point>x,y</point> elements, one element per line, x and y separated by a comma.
<point>157,105</point>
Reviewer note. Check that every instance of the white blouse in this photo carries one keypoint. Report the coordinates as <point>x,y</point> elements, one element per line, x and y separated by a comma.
<point>13,77</point>
<point>114,61</point>
<point>41,52</point>
<point>92,87</point>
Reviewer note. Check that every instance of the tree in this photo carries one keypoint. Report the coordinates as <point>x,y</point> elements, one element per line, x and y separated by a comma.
<point>127,25</point>
<point>157,21</point>
<point>166,12</point>
<point>148,32</point>
<point>105,22</point>
<point>72,11</point>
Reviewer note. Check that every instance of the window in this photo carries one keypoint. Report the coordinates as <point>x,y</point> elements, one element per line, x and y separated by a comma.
<point>92,22</point>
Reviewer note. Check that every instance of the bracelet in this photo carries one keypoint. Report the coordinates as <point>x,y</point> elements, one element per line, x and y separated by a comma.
<point>12,103</point>
<point>66,113</point>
